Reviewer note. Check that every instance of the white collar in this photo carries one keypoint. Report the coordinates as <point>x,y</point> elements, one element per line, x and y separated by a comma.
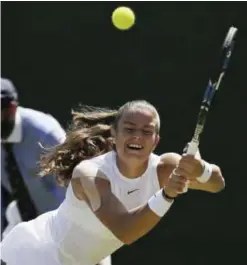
<point>16,135</point>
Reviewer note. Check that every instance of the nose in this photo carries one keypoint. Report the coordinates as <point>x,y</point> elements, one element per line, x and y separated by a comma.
<point>137,134</point>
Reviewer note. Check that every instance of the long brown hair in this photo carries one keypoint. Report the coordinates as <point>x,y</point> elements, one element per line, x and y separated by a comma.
<point>89,135</point>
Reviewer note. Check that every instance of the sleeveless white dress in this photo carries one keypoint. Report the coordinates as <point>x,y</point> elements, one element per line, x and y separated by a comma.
<point>72,234</point>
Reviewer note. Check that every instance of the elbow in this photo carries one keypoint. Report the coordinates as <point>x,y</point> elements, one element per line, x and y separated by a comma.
<point>220,186</point>
<point>219,181</point>
<point>127,239</point>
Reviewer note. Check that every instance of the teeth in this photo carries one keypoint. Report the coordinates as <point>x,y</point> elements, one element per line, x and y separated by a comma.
<point>135,146</point>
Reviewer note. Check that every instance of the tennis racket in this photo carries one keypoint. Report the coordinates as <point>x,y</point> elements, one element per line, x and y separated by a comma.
<point>213,86</point>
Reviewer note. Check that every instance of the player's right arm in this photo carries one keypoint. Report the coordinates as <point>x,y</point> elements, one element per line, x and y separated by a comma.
<point>92,185</point>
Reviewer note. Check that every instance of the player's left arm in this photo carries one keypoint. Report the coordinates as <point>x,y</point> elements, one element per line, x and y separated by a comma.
<point>192,168</point>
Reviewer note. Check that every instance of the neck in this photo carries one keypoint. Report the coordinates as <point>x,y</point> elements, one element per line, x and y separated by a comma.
<point>131,170</point>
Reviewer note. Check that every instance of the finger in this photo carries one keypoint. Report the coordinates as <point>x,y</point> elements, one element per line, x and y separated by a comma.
<point>182,179</point>
<point>191,178</point>
<point>178,184</point>
<point>182,172</point>
<point>175,187</point>
<point>179,187</point>
<point>174,172</point>
<point>187,156</point>
<point>178,172</point>
<point>178,178</point>
<point>185,189</point>
<point>187,166</point>
<point>185,163</point>
<point>189,160</point>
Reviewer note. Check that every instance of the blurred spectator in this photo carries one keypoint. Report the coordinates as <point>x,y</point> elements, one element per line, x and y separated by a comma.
<point>25,194</point>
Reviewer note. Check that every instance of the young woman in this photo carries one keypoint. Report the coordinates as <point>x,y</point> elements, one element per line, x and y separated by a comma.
<point>118,189</point>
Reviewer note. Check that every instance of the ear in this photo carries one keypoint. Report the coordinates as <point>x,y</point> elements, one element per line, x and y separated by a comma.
<point>157,140</point>
<point>12,108</point>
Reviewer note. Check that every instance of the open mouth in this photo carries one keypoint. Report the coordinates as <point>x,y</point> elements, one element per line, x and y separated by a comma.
<point>135,146</point>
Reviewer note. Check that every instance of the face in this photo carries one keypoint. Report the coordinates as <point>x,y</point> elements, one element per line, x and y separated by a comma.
<point>7,120</point>
<point>136,136</point>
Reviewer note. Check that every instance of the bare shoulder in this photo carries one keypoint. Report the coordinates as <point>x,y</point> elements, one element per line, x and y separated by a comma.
<point>91,185</point>
<point>86,179</point>
<point>87,169</point>
<point>84,168</point>
<point>168,161</point>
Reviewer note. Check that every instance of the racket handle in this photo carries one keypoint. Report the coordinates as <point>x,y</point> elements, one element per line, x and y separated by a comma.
<point>192,148</point>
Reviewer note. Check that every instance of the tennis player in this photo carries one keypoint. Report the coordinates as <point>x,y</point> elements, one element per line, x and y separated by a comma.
<point>118,189</point>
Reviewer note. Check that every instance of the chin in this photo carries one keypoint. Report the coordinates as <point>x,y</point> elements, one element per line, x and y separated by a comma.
<point>138,155</point>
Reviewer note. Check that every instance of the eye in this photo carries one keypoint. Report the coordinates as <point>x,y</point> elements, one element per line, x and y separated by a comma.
<point>146,132</point>
<point>129,129</point>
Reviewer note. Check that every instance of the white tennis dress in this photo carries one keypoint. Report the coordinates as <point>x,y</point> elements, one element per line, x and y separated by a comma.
<point>72,234</point>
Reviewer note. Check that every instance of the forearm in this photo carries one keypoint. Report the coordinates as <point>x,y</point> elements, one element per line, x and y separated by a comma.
<point>137,224</point>
<point>127,226</point>
<point>132,225</point>
<point>216,183</point>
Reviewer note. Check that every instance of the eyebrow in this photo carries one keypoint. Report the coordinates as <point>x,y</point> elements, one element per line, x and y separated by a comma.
<point>132,123</point>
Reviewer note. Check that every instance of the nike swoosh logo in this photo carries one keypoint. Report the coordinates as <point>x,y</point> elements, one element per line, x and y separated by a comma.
<point>131,191</point>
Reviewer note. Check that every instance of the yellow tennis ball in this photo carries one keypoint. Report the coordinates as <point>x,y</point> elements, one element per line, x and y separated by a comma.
<point>123,18</point>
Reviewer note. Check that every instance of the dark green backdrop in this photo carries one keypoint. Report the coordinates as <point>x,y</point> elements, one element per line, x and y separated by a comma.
<point>60,54</point>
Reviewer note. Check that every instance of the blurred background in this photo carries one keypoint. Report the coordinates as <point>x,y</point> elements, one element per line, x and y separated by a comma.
<point>60,54</point>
